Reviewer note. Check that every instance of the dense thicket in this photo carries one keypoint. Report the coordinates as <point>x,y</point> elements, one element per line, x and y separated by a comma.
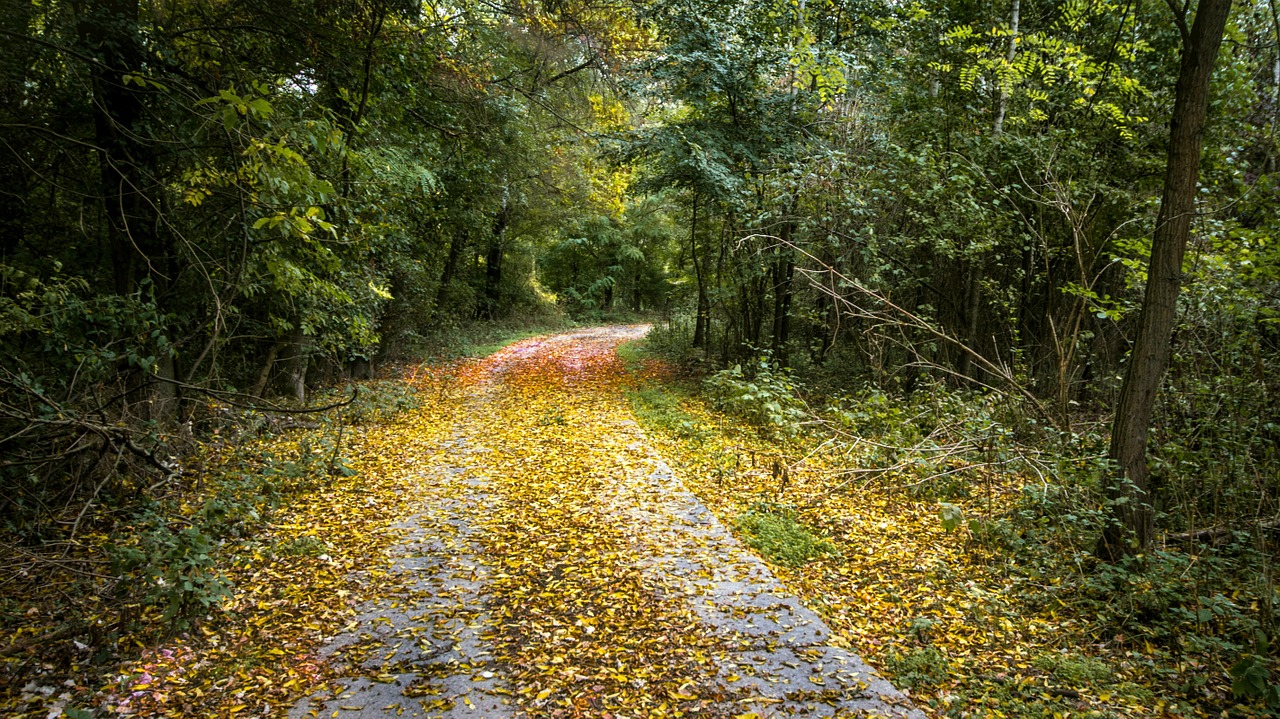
<point>967,193</point>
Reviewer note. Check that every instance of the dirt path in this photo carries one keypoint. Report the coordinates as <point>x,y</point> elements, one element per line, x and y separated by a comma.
<point>558,568</point>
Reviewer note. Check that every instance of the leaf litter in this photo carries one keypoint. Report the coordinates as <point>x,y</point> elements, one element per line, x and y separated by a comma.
<point>515,547</point>
<point>561,570</point>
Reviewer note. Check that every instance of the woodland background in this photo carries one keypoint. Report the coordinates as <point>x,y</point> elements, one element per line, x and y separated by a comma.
<point>926,224</point>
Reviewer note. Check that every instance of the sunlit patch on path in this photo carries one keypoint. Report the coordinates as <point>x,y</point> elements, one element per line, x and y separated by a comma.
<point>558,568</point>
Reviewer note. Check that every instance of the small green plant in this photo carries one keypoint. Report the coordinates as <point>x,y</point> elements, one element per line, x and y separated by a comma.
<point>173,570</point>
<point>774,531</point>
<point>305,546</point>
<point>1074,670</point>
<point>1251,676</point>
<point>656,407</point>
<point>673,341</point>
<point>950,515</point>
<point>379,401</point>
<point>917,668</point>
<point>766,398</point>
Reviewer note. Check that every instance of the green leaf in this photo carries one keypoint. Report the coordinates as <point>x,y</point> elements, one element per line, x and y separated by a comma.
<point>951,516</point>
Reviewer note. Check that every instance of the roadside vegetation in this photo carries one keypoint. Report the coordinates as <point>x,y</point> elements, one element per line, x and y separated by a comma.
<point>957,556</point>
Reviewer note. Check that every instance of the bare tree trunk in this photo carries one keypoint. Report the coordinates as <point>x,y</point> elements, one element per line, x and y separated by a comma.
<point>972,319</point>
<point>1002,108</point>
<point>704,306</point>
<point>443,293</point>
<point>784,271</point>
<point>492,298</point>
<point>296,361</point>
<point>264,376</point>
<point>1130,489</point>
<point>162,395</point>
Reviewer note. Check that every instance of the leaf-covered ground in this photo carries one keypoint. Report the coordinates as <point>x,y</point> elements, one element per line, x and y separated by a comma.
<point>944,609</point>
<point>557,568</point>
<point>516,545</point>
<point>513,547</point>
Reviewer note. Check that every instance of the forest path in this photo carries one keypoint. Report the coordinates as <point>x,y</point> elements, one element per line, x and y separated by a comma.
<point>558,568</point>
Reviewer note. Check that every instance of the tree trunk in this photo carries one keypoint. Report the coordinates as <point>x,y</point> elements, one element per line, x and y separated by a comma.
<point>264,376</point>
<point>493,267</point>
<point>162,394</point>
<point>296,360</point>
<point>784,271</point>
<point>1002,107</point>
<point>704,306</point>
<point>443,292</point>
<point>972,319</point>
<point>1130,488</point>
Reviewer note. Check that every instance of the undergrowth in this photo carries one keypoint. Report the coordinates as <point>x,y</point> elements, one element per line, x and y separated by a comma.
<point>963,534</point>
<point>774,531</point>
<point>169,564</point>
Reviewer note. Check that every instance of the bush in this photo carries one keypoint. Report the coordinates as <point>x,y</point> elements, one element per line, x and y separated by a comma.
<point>766,399</point>
<point>171,569</point>
<point>673,341</point>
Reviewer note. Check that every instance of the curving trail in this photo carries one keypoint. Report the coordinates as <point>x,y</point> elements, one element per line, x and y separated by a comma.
<point>558,568</point>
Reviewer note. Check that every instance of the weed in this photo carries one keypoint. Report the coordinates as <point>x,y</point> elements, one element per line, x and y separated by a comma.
<point>1074,670</point>
<point>765,397</point>
<point>655,406</point>
<point>774,531</point>
<point>918,667</point>
<point>304,546</point>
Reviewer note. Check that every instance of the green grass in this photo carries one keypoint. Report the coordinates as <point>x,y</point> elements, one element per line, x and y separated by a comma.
<point>481,339</point>
<point>774,531</point>
<point>658,408</point>
<point>503,339</point>
<point>634,353</point>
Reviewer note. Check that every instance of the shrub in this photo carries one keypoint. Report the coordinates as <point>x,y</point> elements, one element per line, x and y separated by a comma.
<point>767,400</point>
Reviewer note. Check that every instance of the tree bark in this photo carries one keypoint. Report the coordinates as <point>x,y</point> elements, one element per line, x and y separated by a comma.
<point>457,244</point>
<point>1002,107</point>
<point>296,363</point>
<point>1129,489</point>
<point>704,306</point>
<point>492,298</point>
<point>784,272</point>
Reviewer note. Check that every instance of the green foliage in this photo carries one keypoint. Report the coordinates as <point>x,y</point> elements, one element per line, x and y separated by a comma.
<point>174,570</point>
<point>951,515</point>
<point>918,668</point>
<point>1073,670</point>
<point>766,397</point>
<point>671,340</point>
<point>379,401</point>
<point>660,407</point>
<point>775,532</point>
<point>304,546</point>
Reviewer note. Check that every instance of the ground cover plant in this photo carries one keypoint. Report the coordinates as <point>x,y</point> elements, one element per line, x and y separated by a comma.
<point>967,573</point>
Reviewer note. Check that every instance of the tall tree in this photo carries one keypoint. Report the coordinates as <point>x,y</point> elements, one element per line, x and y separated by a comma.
<point>1130,488</point>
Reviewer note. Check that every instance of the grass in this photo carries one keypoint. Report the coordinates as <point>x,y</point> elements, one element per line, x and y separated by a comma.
<point>774,531</point>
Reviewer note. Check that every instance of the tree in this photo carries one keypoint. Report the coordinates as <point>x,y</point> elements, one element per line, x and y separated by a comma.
<point>1130,488</point>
